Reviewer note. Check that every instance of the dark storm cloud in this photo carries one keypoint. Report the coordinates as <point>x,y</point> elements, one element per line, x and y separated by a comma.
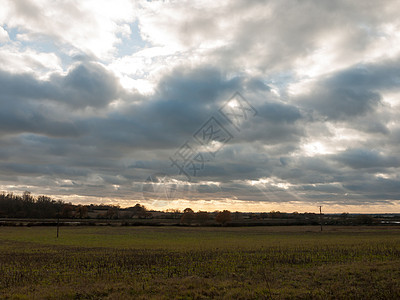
<point>112,140</point>
<point>354,92</point>
<point>341,101</point>
<point>275,123</point>
<point>41,169</point>
<point>373,126</point>
<point>18,116</point>
<point>198,86</point>
<point>344,102</point>
<point>183,101</point>
<point>124,144</point>
<point>44,106</point>
<point>376,185</point>
<point>279,112</point>
<point>85,85</point>
<point>366,158</point>
<point>303,170</point>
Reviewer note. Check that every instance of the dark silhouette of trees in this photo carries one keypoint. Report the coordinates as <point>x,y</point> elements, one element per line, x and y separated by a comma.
<point>275,214</point>
<point>176,213</point>
<point>44,207</point>
<point>202,217</point>
<point>113,212</point>
<point>27,206</point>
<point>40,207</point>
<point>139,211</point>
<point>364,220</point>
<point>82,211</point>
<point>67,211</point>
<point>223,217</point>
<point>188,216</point>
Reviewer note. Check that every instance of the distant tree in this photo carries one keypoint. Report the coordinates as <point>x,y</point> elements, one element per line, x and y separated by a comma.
<point>202,217</point>
<point>296,215</point>
<point>112,212</point>
<point>188,216</point>
<point>275,214</point>
<point>223,217</point>
<point>175,212</point>
<point>139,211</point>
<point>82,211</point>
<point>27,197</point>
<point>67,210</point>
<point>45,207</point>
<point>364,220</point>
<point>188,210</point>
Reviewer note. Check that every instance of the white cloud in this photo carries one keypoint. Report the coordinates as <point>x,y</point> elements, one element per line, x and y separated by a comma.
<point>14,60</point>
<point>91,27</point>
<point>3,35</point>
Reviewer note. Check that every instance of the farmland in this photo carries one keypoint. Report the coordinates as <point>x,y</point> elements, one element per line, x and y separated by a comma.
<point>200,263</point>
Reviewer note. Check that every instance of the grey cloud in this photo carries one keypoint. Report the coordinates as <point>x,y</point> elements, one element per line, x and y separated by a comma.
<point>86,85</point>
<point>354,92</point>
<point>197,86</point>
<point>63,134</point>
<point>47,107</point>
<point>373,126</point>
<point>27,9</point>
<point>275,123</point>
<point>279,112</point>
<point>382,75</point>
<point>341,101</point>
<point>365,159</point>
<point>375,188</point>
<point>184,100</point>
<point>17,117</point>
<point>41,169</point>
<point>58,137</point>
<point>271,36</point>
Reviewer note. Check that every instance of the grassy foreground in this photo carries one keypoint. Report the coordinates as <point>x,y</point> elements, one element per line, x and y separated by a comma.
<point>200,263</point>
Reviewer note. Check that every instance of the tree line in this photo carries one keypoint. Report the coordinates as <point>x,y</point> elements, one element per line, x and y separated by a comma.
<point>44,207</point>
<point>28,206</point>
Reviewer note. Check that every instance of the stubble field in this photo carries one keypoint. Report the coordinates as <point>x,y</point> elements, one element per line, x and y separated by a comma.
<point>200,263</point>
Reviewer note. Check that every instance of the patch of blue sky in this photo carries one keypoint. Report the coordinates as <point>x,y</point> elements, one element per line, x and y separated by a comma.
<point>133,43</point>
<point>12,32</point>
<point>281,81</point>
<point>40,44</point>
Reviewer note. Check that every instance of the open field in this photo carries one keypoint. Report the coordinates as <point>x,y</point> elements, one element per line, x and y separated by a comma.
<point>199,263</point>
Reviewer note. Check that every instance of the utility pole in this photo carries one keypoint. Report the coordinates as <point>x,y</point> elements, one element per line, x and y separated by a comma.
<point>320,216</point>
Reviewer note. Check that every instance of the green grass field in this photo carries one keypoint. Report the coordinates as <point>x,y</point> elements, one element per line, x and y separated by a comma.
<point>200,263</point>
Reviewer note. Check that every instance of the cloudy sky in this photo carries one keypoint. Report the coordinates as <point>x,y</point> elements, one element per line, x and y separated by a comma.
<point>240,105</point>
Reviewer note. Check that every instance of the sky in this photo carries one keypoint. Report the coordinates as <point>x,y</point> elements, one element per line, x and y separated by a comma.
<point>240,105</point>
